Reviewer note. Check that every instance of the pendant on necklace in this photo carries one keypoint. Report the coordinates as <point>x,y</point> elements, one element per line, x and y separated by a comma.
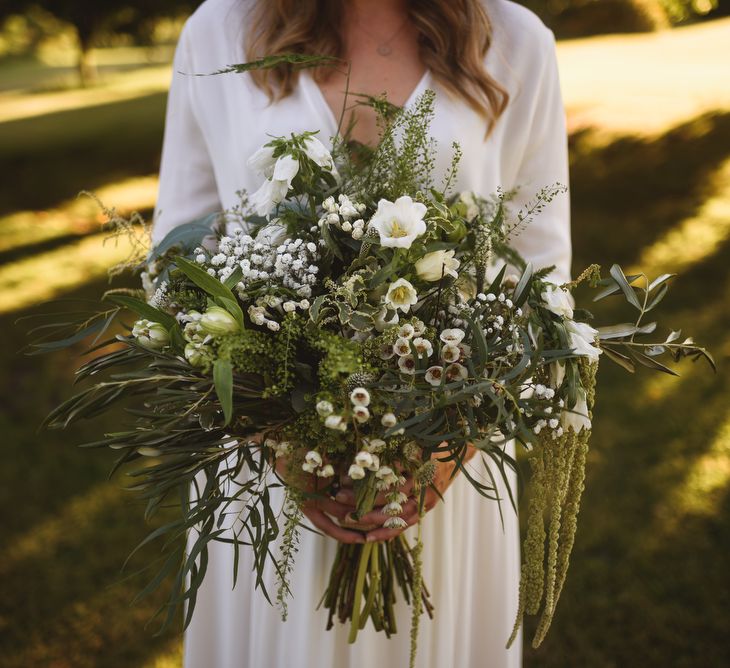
<point>384,50</point>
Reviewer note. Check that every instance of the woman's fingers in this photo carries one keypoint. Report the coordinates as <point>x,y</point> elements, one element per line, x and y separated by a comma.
<point>327,526</point>
<point>409,515</point>
<point>377,516</point>
<point>346,495</point>
<point>382,533</point>
<point>331,507</point>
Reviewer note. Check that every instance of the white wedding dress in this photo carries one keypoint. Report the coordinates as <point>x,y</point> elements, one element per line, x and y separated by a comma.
<point>471,561</point>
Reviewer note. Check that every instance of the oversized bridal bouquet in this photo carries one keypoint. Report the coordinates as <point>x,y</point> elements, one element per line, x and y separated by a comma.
<point>339,328</point>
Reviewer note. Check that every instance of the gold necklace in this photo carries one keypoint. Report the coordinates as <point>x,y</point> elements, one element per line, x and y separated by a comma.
<point>384,49</point>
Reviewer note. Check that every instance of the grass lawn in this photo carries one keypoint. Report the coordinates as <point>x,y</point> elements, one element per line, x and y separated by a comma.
<point>648,584</point>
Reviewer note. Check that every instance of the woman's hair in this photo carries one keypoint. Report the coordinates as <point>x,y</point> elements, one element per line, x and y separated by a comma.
<point>454,36</point>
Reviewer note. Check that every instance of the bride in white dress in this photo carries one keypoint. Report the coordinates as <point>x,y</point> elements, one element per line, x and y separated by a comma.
<point>214,123</point>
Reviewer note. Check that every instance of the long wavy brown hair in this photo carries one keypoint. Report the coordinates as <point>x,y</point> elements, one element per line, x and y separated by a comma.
<point>454,36</point>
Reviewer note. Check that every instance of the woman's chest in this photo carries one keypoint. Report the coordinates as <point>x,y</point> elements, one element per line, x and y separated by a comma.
<point>237,119</point>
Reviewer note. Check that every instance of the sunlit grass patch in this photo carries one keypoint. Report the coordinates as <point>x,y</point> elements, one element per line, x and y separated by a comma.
<point>694,238</point>
<point>114,88</point>
<point>78,216</point>
<point>42,277</point>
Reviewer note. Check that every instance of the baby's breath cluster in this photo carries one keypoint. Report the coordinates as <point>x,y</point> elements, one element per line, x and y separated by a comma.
<point>290,264</point>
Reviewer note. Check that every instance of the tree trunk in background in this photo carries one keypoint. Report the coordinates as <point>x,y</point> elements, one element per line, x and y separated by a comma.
<point>86,67</point>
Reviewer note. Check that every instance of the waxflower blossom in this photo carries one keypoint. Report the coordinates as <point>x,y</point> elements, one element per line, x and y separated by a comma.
<point>452,336</point>
<point>450,353</point>
<point>402,347</point>
<point>399,223</point>
<point>360,397</point>
<point>361,414</point>
<point>406,331</point>
<point>407,364</point>
<point>434,375</point>
<point>423,347</point>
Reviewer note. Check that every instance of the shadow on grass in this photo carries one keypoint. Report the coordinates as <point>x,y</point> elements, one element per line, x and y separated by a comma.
<point>53,157</point>
<point>627,194</point>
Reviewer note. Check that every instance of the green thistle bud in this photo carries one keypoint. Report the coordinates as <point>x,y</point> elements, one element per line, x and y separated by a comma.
<point>425,474</point>
<point>359,379</point>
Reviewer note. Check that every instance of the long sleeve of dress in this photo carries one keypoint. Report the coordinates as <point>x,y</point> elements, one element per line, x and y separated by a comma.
<point>546,240</point>
<point>187,188</point>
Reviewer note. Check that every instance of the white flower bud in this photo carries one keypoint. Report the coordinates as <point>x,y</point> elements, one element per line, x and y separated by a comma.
<point>361,413</point>
<point>388,420</point>
<point>363,459</point>
<point>325,408</point>
<point>336,422</point>
<point>151,334</point>
<point>356,472</point>
<point>216,321</point>
<point>326,471</point>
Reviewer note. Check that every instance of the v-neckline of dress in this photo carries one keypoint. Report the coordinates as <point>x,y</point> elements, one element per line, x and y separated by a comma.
<point>323,110</point>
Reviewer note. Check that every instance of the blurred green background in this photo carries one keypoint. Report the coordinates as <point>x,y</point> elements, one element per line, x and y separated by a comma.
<point>647,91</point>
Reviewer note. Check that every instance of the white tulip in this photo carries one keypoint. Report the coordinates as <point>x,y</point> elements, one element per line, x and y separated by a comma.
<point>399,223</point>
<point>381,324</point>
<point>274,190</point>
<point>263,161</point>
<point>434,266</point>
<point>216,321</point>
<point>317,152</point>
<point>558,301</point>
<point>581,338</point>
<point>577,417</point>
<point>401,295</point>
<point>151,334</point>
